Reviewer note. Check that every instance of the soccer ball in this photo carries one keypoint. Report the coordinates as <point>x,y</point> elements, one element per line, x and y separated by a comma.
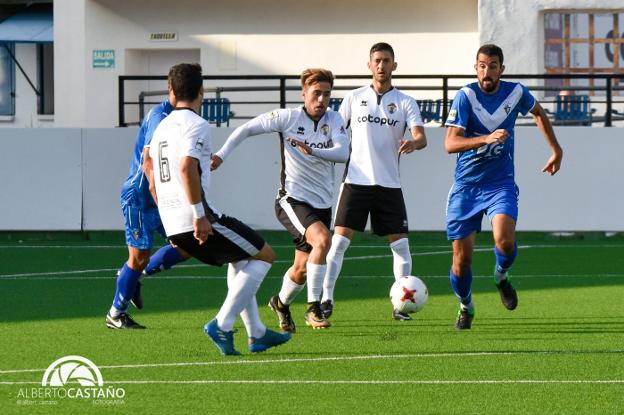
<point>409,294</point>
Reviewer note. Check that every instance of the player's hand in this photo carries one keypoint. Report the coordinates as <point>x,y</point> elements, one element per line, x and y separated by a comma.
<point>202,229</point>
<point>215,162</point>
<point>303,147</point>
<point>407,146</point>
<point>497,136</point>
<point>554,162</point>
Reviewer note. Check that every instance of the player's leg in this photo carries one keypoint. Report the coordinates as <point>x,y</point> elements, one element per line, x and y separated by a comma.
<point>318,237</point>
<point>139,242</point>
<point>352,210</point>
<point>335,256</point>
<point>464,214</point>
<point>250,314</point>
<point>461,279</point>
<point>389,219</point>
<point>505,251</point>
<point>165,258</point>
<point>503,213</point>
<point>231,242</point>
<point>293,283</point>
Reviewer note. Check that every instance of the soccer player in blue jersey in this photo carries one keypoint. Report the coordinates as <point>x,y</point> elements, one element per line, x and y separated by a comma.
<point>141,221</point>
<point>481,131</point>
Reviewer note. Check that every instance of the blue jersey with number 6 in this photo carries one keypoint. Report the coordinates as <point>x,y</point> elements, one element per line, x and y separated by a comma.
<point>136,186</point>
<point>479,114</point>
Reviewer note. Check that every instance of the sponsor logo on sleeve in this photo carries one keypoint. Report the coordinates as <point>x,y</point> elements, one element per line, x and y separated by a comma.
<point>199,144</point>
<point>452,115</point>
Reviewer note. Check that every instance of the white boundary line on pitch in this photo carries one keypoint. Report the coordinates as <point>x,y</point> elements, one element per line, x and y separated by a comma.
<point>353,258</point>
<point>282,261</point>
<point>340,358</point>
<point>412,246</point>
<point>357,382</point>
<point>275,277</point>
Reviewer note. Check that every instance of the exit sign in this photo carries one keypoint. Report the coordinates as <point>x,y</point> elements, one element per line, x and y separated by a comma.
<point>103,58</point>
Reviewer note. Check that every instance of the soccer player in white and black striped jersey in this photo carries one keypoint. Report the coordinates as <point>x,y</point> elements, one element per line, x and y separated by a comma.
<point>378,115</point>
<point>181,151</point>
<point>312,140</point>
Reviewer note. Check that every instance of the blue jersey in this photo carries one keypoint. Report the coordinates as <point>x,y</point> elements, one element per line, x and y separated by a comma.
<point>136,186</point>
<point>478,114</point>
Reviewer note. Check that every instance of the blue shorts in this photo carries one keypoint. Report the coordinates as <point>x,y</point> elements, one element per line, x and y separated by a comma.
<point>140,226</point>
<point>466,205</point>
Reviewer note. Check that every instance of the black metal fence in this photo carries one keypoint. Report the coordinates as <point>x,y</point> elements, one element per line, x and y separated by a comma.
<point>253,91</point>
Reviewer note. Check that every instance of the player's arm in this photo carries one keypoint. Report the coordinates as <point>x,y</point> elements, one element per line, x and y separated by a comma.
<point>148,169</point>
<point>262,124</point>
<point>338,153</point>
<point>543,123</point>
<point>189,173</point>
<point>456,142</point>
<point>418,142</point>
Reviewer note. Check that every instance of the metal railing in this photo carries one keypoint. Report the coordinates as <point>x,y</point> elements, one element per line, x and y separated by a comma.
<point>605,91</point>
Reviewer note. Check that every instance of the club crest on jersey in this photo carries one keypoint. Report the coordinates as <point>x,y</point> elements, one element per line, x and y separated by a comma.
<point>273,115</point>
<point>363,103</point>
<point>199,144</point>
<point>300,130</point>
<point>392,107</point>
<point>507,108</point>
<point>325,129</point>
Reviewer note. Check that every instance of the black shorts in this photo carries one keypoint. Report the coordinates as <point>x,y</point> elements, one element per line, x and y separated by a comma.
<point>232,241</point>
<point>384,204</point>
<point>297,216</point>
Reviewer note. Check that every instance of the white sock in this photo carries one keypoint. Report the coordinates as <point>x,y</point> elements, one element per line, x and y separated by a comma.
<point>500,274</point>
<point>290,290</point>
<point>315,276</point>
<point>402,264</point>
<point>335,257</point>
<point>250,314</point>
<point>114,313</point>
<point>241,291</point>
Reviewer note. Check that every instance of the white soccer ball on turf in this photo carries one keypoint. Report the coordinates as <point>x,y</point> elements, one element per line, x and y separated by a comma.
<point>409,294</point>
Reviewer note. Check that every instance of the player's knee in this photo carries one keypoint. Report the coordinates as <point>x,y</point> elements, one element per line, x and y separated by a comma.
<point>322,244</point>
<point>298,274</point>
<point>138,260</point>
<point>266,254</point>
<point>461,264</point>
<point>506,246</point>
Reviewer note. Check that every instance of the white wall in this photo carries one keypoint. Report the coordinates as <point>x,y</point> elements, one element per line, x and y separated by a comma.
<point>61,175</point>
<point>517,26</point>
<point>244,37</point>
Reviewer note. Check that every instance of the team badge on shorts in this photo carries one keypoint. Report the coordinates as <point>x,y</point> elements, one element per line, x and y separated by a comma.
<point>136,234</point>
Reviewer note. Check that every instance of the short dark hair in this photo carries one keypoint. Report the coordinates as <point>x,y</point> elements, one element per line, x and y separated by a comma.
<point>491,49</point>
<point>315,75</point>
<point>186,80</point>
<point>381,47</point>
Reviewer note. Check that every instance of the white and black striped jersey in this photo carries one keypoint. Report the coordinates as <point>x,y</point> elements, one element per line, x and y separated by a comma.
<point>182,133</point>
<point>378,124</point>
<point>307,178</point>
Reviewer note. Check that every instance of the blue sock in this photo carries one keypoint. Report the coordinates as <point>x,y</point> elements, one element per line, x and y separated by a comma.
<point>163,259</point>
<point>504,262</point>
<point>462,287</point>
<point>126,286</point>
